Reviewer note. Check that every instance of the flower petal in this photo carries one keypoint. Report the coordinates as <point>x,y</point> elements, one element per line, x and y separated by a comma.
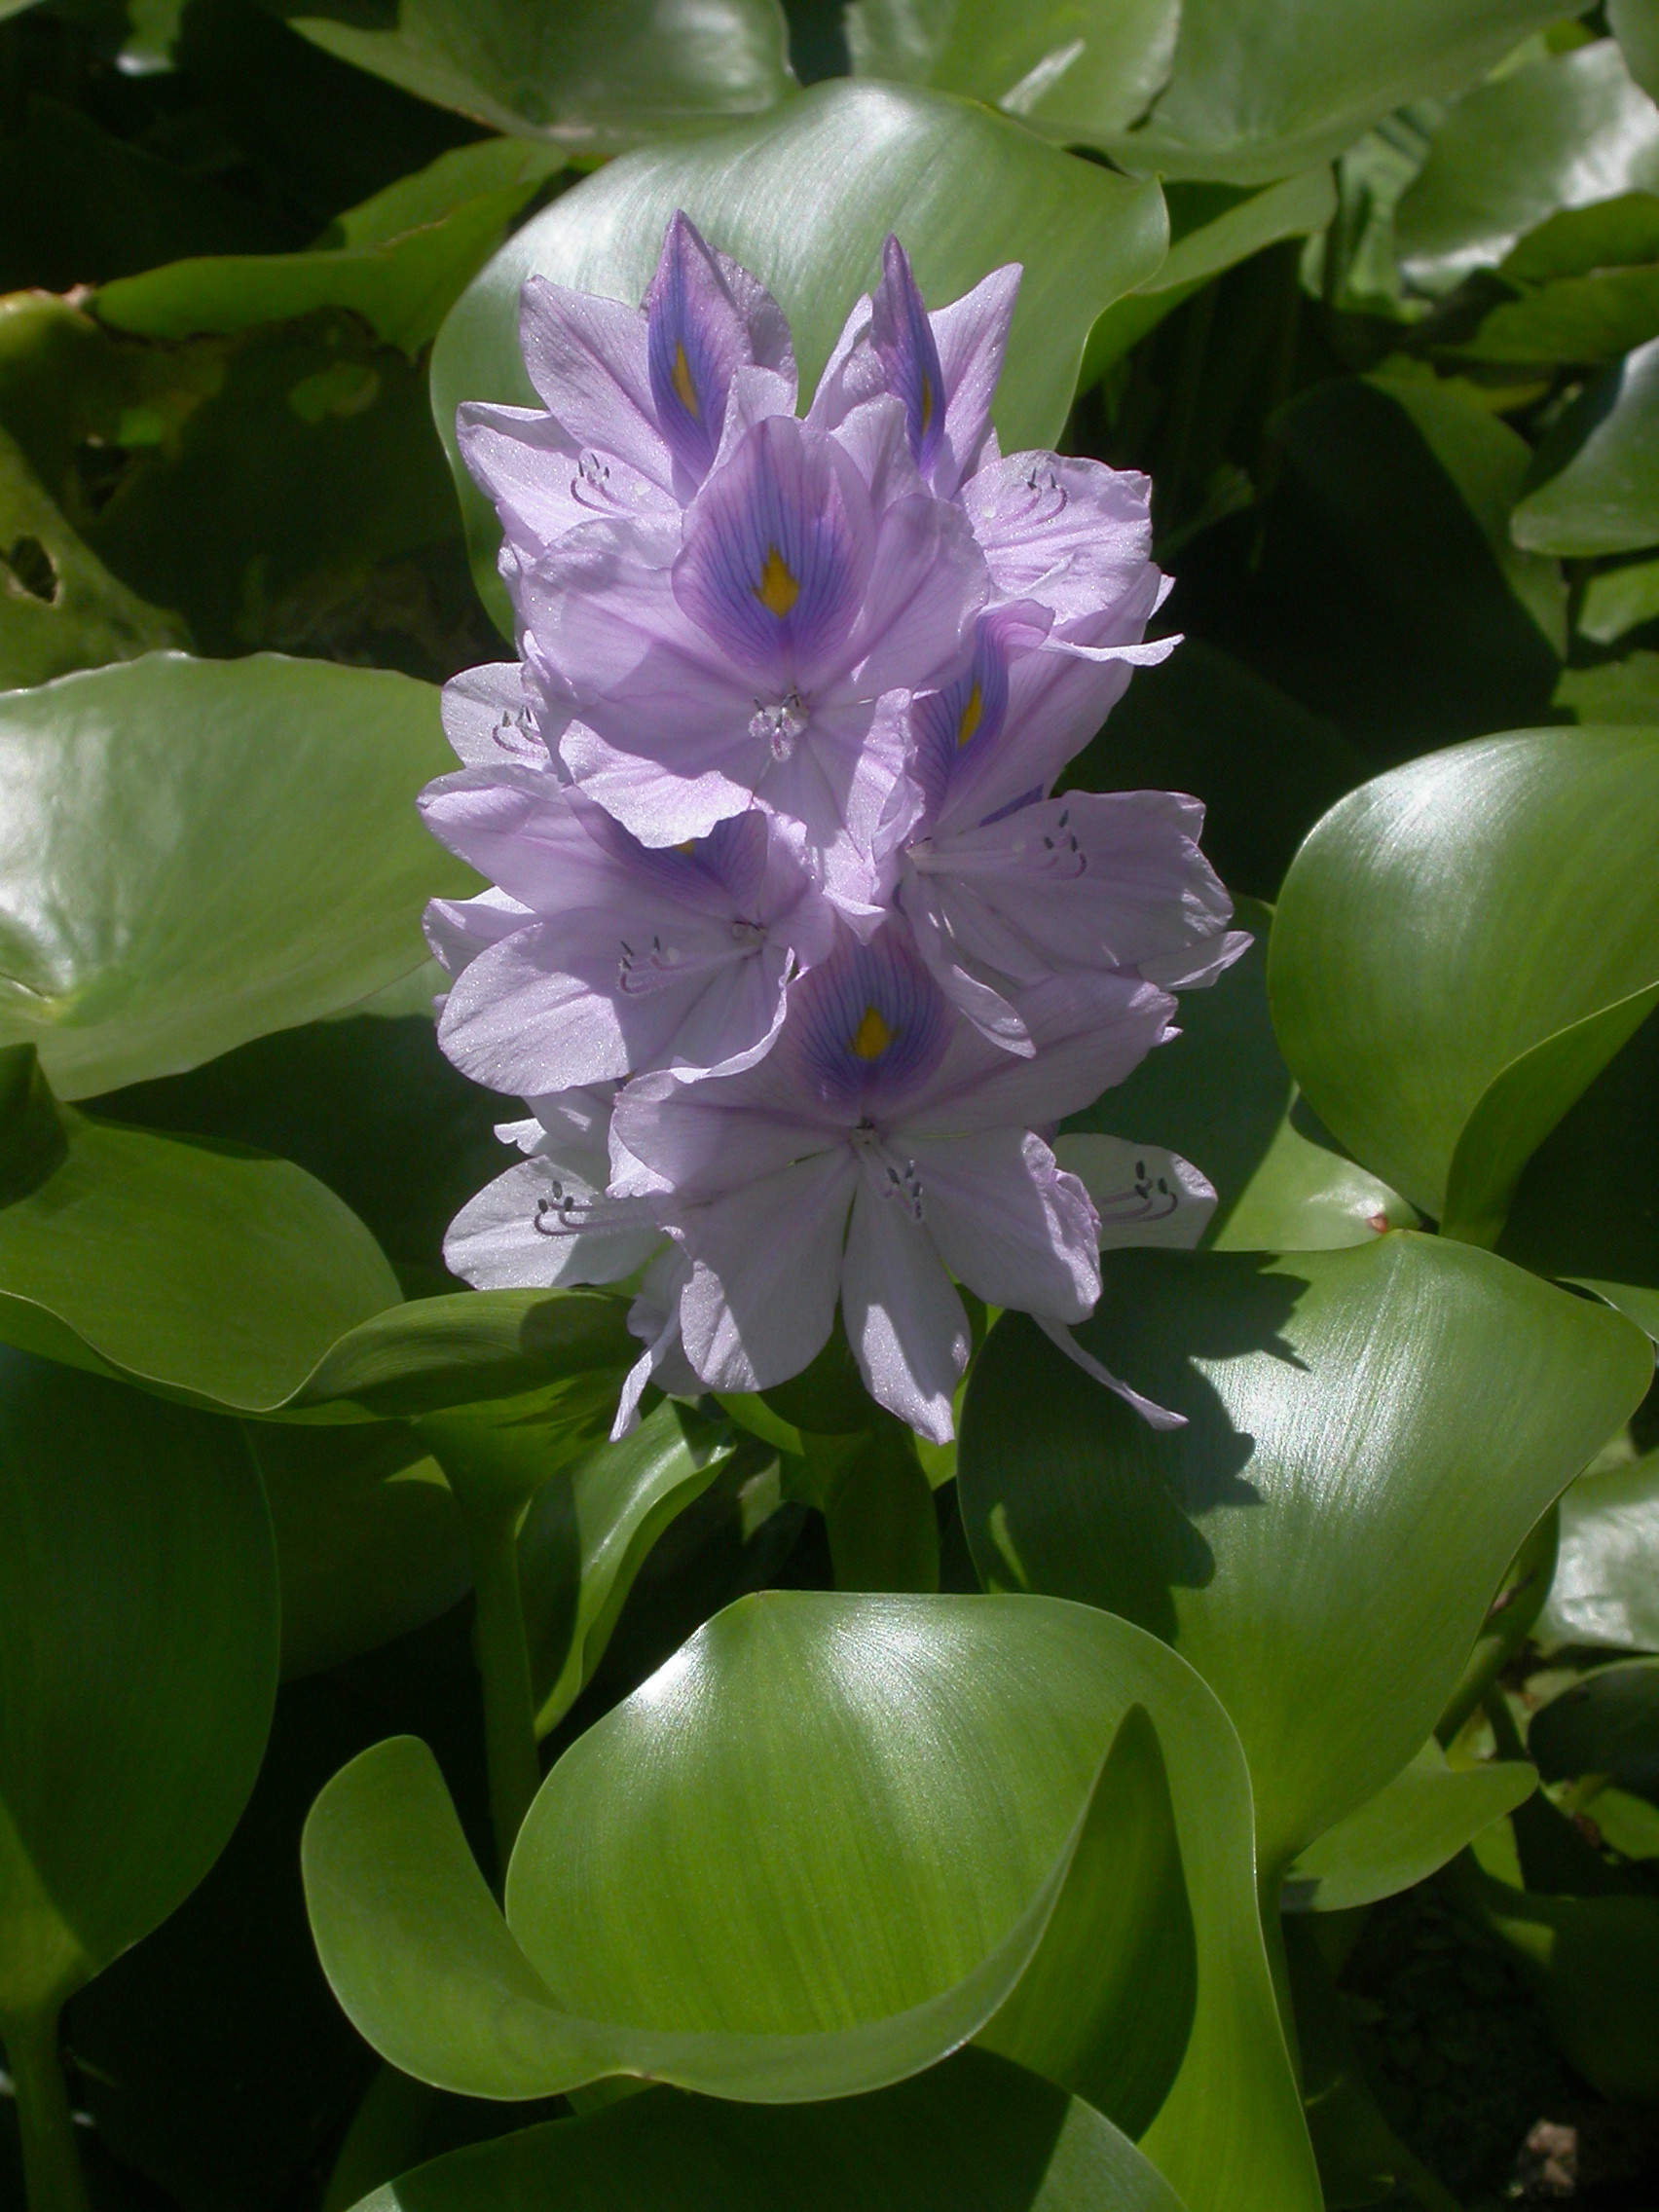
<point>706,318</point>
<point>541,483</point>
<point>903,1319</point>
<point>971,337</point>
<point>586,358</point>
<point>1142,1194</point>
<point>1154,1415</point>
<point>537,1226</point>
<point>1009,1223</point>
<point>766,1265</point>
<point>488,716</point>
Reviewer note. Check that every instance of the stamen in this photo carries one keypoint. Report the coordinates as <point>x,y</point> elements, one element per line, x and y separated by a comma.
<point>1147,1200</point>
<point>777,590</point>
<point>781,725</point>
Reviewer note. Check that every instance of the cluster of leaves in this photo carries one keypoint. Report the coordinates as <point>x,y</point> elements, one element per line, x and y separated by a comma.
<point>978,1826</point>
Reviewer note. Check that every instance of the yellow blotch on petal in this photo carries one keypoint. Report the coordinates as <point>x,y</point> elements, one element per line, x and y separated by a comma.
<point>927,403</point>
<point>777,591</point>
<point>684,390</point>
<point>968,721</point>
<point>872,1037</point>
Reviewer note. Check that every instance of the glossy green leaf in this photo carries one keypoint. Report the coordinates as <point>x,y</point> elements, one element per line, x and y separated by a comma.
<point>588,75</point>
<point>1211,228</point>
<point>586,1537</point>
<point>1606,1579</point>
<point>1261,88</point>
<point>1617,601</point>
<point>1581,288</point>
<point>774,1948</point>
<point>1634,24</point>
<point>879,1513</point>
<point>206,1270</point>
<point>1603,497</point>
<point>401,285</point>
<point>1606,1723</point>
<point>60,606</point>
<point>1412,1826</point>
<point>1615,691</point>
<point>1392,1419</point>
<point>1221,1095</point>
<point>368,1538</point>
<point>138,1639</point>
<point>1595,1965</point>
<point>193,854</point>
<point>1587,1206</point>
<point>1442,1053</point>
<point>804,199</point>
<point>1072,74</point>
<point>431,1354</point>
<point>975,2131</point>
<point>1562,131</point>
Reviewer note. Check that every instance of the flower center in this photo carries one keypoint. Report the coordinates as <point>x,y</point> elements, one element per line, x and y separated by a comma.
<point>780,725</point>
<point>778,589</point>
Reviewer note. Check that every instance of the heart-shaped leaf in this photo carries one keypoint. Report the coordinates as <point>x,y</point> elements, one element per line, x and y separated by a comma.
<point>1565,130</point>
<point>213,1272</point>
<point>1600,479</point>
<point>1260,89</point>
<point>402,283</point>
<point>1389,1419</point>
<point>975,2131</point>
<point>591,75</point>
<point>1608,1723</point>
<point>1605,1590</point>
<point>586,1535</point>
<point>1412,1826</point>
<point>1443,1053</point>
<point>138,1643</point>
<point>368,1537</point>
<point>196,852</point>
<point>1221,1095</point>
<point>804,199</point>
<point>828,1884</point>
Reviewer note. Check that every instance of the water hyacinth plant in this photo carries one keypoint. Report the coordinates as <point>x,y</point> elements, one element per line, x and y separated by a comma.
<point>766,803</point>
<point>829,1057</point>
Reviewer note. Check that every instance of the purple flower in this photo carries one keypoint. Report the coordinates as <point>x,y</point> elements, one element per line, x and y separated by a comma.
<point>774,656</point>
<point>879,1150</point>
<point>1003,886</point>
<point>636,397</point>
<point>597,957</point>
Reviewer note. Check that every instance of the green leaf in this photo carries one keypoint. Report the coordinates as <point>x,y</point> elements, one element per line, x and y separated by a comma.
<point>879,1510</point>
<point>1634,24</point>
<point>1072,74</point>
<point>1221,1095</point>
<point>587,1534</point>
<point>1261,88</point>
<point>589,75</point>
<point>1593,1963</point>
<point>1392,1419</point>
<point>202,1269</point>
<point>1562,132</point>
<point>1617,601</point>
<point>368,1538</point>
<point>402,286</point>
<point>569,1348</point>
<point>1409,1830</point>
<point>1211,228</point>
<point>900,1889</point>
<point>804,199</point>
<point>1605,1590</point>
<point>1586,1208</point>
<point>1606,1723</point>
<point>195,853</point>
<point>139,1639</point>
<point>1603,497</point>
<point>975,2131</point>
<point>1440,1055</point>
<point>60,606</point>
<point>1615,692</point>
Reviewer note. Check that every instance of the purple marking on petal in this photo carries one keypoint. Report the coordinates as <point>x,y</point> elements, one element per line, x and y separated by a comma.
<point>904,341</point>
<point>696,342</point>
<point>965,715</point>
<point>868,1025</point>
<point>777,554</point>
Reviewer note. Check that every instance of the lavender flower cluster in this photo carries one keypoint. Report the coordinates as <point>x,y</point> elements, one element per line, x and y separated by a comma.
<point>790,952</point>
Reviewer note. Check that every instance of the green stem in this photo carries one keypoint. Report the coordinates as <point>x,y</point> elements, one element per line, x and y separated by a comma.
<point>51,2164</point>
<point>503,1664</point>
